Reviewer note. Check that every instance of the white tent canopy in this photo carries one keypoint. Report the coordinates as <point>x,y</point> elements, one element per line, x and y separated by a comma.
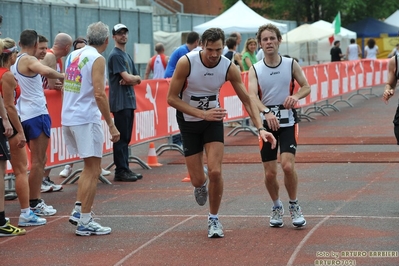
<point>170,40</point>
<point>302,41</point>
<point>393,19</point>
<point>307,33</point>
<point>238,18</point>
<point>324,45</point>
<point>345,33</point>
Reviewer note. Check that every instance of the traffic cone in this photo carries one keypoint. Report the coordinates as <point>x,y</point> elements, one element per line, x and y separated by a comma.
<point>186,179</point>
<point>152,159</point>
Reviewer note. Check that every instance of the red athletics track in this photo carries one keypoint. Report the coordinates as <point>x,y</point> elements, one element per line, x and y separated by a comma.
<point>348,189</point>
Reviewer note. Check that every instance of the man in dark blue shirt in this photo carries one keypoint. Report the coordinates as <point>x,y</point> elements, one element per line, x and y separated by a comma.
<point>122,100</point>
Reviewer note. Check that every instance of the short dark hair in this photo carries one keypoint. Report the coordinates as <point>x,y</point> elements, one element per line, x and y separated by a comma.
<point>77,41</point>
<point>231,42</point>
<point>212,35</point>
<point>335,43</point>
<point>42,38</point>
<point>28,38</point>
<point>159,47</point>
<point>353,40</point>
<point>192,37</point>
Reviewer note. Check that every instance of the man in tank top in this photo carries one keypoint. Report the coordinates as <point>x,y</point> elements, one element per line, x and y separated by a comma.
<point>32,109</point>
<point>194,92</point>
<point>157,64</point>
<point>271,82</point>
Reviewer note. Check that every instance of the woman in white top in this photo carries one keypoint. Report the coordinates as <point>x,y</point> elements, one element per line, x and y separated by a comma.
<point>371,50</point>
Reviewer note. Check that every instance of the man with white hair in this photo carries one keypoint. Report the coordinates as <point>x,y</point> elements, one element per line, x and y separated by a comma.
<point>84,102</point>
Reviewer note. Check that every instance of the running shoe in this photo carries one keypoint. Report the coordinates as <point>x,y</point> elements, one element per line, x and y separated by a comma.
<point>276,218</point>
<point>45,187</point>
<point>201,194</point>
<point>105,172</point>
<point>215,228</point>
<point>74,217</point>
<point>48,182</point>
<point>66,172</point>
<point>31,220</point>
<point>10,230</point>
<point>91,228</point>
<point>41,209</point>
<point>296,214</point>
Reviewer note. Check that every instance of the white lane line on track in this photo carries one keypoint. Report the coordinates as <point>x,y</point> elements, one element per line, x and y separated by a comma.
<point>320,216</point>
<point>152,240</point>
<point>310,233</point>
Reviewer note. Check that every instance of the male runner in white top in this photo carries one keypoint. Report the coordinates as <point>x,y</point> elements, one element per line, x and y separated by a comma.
<point>194,92</point>
<point>271,80</point>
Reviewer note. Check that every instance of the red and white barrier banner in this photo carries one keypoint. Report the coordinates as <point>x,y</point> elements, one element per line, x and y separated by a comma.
<point>155,119</point>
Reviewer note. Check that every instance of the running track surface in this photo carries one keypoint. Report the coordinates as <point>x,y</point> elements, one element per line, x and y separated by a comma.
<point>348,190</point>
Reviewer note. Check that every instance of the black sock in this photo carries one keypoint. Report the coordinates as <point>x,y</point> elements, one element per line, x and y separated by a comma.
<point>2,218</point>
<point>293,201</point>
<point>34,202</point>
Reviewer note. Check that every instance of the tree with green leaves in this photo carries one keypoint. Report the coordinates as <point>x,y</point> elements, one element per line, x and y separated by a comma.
<point>313,10</point>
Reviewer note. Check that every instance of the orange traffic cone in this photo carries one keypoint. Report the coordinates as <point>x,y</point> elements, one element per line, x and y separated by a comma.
<point>152,159</point>
<point>186,179</point>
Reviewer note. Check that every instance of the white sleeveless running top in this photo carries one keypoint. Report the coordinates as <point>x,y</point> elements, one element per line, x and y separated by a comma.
<point>203,84</point>
<point>274,88</point>
<point>32,101</point>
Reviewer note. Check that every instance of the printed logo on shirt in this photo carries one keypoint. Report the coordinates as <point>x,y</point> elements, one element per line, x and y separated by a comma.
<point>73,76</point>
<point>274,73</point>
<point>208,74</point>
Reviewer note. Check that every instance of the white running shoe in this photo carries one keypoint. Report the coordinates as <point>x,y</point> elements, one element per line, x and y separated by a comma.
<point>215,228</point>
<point>74,217</point>
<point>48,182</point>
<point>66,172</point>
<point>276,218</point>
<point>41,209</point>
<point>45,187</point>
<point>105,172</point>
<point>296,214</point>
<point>91,228</point>
<point>31,220</point>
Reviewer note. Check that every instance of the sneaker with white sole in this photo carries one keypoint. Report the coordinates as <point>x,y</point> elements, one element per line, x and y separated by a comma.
<point>31,220</point>
<point>48,182</point>
<point>276,218</point>
<point>105,172</point>
<point>10,230</point>
<point>215,228</point>
<point>91,228</point>
<point>74,217</point>
<point>66,172</point>
<point>201,194</point>
<point>41,209</point>
<point>296,214</point>
<point>45,187</point>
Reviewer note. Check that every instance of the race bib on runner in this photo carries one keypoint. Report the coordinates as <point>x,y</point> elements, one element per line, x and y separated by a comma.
<point>204,102</point>
<point>281,114</point>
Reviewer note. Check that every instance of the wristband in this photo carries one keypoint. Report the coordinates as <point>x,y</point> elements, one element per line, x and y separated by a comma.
<point>262,128</point>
